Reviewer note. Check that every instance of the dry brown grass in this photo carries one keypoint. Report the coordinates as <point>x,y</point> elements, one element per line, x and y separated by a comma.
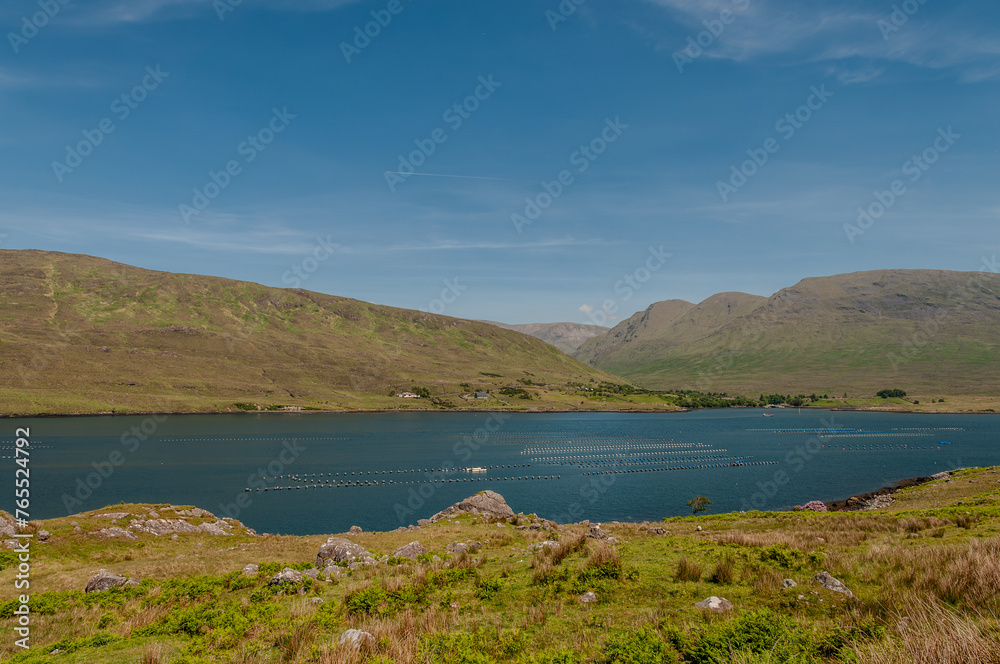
<point>966,574</point>
<point>687,570</point>
<point>929,633</point>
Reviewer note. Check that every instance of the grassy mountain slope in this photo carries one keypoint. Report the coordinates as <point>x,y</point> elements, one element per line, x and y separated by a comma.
<point>81,334</point>
<point>924,576</point>
<point>567,337</point>
<point>925,330</point>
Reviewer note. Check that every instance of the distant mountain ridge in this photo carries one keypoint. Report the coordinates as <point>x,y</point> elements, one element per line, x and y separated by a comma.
<point>83,334</point>
<point>927,329</point>
<point>567,337</point>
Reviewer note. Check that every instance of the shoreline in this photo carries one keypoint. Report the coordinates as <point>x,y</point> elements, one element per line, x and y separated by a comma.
<point>534,411</point>
<point>857,502</point>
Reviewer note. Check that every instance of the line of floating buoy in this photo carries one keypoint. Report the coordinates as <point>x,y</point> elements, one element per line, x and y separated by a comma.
<point>369,483</point>
<point>544,457</point>
<point>724,460</point>
<point>358,473</point>
<point>611,448</point>
<point>695,467</point>
<point>201,439</point>
<point>595,458</point>
<point>873,435</point>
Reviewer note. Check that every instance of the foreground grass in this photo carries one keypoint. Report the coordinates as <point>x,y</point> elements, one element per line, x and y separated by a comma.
<point>925,575</point>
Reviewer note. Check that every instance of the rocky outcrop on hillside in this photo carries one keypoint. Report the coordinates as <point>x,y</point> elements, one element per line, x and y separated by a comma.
<point>485,503</point>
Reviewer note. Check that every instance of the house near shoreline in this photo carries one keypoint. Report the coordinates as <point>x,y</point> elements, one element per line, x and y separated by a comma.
<point>407,395</point>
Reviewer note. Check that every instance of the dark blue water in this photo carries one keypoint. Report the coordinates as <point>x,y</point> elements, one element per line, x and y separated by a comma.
<point>737,458</point>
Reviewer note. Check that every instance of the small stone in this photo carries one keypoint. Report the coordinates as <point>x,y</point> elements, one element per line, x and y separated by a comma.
<point>789,583</point>
<point>355,530</point>
<point>312,573</point>
<point>826,580</point>
<point>175,537</point>
<point>317,600</point>
<point>588,597</point>
<point>698,529</point>
<point>715,604</point>
<point>43,535</point>
<point>251,570</point>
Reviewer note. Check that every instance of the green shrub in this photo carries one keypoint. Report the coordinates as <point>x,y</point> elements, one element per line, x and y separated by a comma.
<point>782,554</point>
<point>757,632</point>
<point>370,600</point>
<point>487,588</point>
<point>479,647</point>
<point>644,646</point>
<point>561,656</point>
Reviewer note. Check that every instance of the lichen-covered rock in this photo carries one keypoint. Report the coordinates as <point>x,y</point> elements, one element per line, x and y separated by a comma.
<point>287,575</point>
<point>715,604</point>
<point>8,526</point>
<point>356,638</point>
<point>827,580</point>
<point>411,551</point>
<point>462,547</point>
<point>588,597</point>
<point>104,580</point>
<point>789,583</point>
<point>338,550</point>
<point>115,531</point>
<point>171,526</point>
<point>596,532</point>
<point>114,516</point>
<point>355,530</point>
<point>251,570</point>
<point>485,503</point>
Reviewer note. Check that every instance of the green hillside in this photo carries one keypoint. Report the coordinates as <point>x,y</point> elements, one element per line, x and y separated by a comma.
<point>80,334</point>
<point>925,331</point>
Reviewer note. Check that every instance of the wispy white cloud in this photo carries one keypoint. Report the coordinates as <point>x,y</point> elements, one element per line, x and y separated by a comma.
<point>454,245</point>
<point>111,12</point>
<point>840,33</point>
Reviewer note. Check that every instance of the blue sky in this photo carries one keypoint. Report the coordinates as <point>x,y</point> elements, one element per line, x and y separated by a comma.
<point>115,112</point>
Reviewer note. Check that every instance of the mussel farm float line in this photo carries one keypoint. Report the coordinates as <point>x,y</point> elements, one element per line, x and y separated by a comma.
<point>347,484</point>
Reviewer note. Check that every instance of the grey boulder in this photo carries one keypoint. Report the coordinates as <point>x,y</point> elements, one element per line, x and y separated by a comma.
<point>338,550</point>
<point>105,580</point>
<point>715,604</point>
<point>826,580</point>
<point>411,551</point>
<point>485,503</point>
<point>356,638</point>
<point>287,575</point>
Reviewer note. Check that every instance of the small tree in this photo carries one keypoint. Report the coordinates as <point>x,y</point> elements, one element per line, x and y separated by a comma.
<point>699,504</point>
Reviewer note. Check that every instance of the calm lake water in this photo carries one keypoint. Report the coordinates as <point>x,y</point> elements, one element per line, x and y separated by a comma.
<point>599,466</point>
